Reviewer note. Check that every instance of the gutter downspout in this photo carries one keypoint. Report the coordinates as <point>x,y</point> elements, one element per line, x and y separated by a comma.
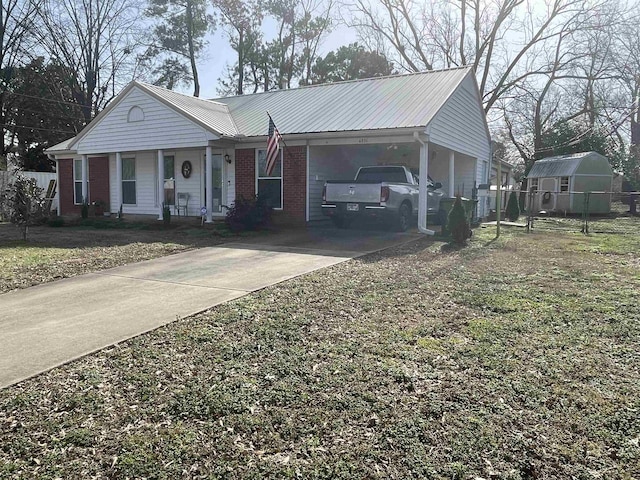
<point>422,187</point>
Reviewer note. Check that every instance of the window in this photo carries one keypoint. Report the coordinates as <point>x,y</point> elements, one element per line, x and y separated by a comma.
<point>135,114</point>
<point>533,184</point>
<point>269,187</point>
<point>77,182</point>
<point>564,184</point>
<point>169,180</point>
<point>129,181</point>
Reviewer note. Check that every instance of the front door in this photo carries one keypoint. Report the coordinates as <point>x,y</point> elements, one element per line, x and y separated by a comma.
<point>217,183</point>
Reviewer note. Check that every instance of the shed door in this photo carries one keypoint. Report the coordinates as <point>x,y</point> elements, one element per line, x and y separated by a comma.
<point>547,194</point>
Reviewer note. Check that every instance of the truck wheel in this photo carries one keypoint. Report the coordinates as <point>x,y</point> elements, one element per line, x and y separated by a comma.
<point>340,222</point>
<point>404,218</point>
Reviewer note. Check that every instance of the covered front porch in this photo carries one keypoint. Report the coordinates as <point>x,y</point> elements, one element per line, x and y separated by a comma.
<point>187,180</point>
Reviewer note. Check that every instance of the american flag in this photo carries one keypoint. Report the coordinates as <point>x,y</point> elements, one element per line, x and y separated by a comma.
<point>273,147</point>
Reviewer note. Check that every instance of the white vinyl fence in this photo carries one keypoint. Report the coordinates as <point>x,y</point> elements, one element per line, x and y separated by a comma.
<point>42,179</point>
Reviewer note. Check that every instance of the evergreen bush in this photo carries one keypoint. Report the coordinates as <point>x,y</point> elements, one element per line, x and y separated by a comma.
<point>166,215</point>
<point>84,210</point>
<point>457,224</point>
<point>248,214</point>
<point>513,210</point>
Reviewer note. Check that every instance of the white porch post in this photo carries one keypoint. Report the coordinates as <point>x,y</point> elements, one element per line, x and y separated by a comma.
<point>85,185</point>
<point>452,172</point>
<point>422,188</point>
<point>209,179</point>
<point>118,186</point>
<point>160,182</point>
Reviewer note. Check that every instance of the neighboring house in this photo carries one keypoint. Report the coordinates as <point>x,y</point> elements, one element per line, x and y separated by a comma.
<point>151,144</point>
<point>560,183</point>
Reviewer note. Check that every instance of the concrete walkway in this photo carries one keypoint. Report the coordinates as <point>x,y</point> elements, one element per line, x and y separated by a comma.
<point>50,324</point>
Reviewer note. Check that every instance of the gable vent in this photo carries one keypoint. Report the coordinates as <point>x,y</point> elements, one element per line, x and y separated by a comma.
<point>135,114</point>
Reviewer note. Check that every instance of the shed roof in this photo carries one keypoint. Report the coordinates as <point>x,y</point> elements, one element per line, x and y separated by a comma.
<point>558,166</point>
<point>398,101</point>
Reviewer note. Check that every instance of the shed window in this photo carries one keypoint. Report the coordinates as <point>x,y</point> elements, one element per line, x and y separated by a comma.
<point>77,182</point>
<point>564,184</point>
<point>269,187</point>
<point>129,181</point>
<point>533,184</point>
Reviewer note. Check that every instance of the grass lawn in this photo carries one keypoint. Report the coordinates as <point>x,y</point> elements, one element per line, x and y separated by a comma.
<point>516,358</point>
<point>54,253</point>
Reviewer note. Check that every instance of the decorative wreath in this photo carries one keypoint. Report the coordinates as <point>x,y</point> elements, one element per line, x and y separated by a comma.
<point>186,169</point>
<point>546,197</point>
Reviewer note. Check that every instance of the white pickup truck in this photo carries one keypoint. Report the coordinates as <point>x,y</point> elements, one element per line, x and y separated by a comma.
<point>386,192</point>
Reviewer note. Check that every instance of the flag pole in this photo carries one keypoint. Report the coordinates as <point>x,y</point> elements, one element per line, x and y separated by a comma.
<point>281,137</point>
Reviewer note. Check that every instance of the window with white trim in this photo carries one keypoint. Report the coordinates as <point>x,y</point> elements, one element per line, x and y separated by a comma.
<point>77,181</point>
<point>129,181</point>
<point>533,184</point>
<point>169,180</point>
<point>564,184</point>
<point>269,187</point>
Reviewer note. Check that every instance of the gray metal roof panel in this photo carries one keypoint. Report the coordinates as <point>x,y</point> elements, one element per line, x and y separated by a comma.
<point>558,166</point>
<point>397,101</point>
<point>214,115</point>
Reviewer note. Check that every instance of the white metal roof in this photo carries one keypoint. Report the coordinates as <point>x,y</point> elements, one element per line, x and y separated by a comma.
<point>214,115</point>
<point>397,101</point>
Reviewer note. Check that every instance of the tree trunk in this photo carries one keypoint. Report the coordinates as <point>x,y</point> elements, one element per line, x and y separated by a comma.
<point>192,53</point>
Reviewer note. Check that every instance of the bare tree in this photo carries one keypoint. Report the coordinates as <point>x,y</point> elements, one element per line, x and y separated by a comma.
<point>96,41</point>
<point>16,28</point>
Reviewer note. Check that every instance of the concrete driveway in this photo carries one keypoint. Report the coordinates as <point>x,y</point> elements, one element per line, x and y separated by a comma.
<point>50,324</point>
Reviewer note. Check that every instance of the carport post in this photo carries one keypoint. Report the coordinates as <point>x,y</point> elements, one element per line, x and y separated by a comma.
<point>452,172</point>
<point>422,187</point>
<point>160,183</point>
<point>209,179</point>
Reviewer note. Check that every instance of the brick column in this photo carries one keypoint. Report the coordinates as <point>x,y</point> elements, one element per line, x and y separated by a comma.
<point>295,183</point>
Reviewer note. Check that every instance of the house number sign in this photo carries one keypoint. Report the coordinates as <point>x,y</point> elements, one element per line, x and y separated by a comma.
<point>186,169</point>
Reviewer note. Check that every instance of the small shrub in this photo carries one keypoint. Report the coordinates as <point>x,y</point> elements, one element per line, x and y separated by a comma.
<point>248,214</point>
<point>513,210</point>
<point>56,222</point>
<point>23,204</point>
<point>457,224</point>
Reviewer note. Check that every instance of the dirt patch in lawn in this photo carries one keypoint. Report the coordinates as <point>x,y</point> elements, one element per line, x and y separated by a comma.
<point>514,358</point>
<point>53,253</point>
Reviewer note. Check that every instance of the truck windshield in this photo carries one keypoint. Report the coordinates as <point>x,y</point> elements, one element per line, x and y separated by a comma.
<point>382,174</point>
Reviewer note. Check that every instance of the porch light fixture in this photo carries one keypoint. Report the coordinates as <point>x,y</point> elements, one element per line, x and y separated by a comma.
<point>227,158</point>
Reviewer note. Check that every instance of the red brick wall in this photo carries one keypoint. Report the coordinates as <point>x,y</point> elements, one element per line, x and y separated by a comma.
<point>65,189</point>
<point>295,183</point>
<point>99,179</point>
<point>98,183</point>
<point>294,186</point>
<point>245,172</point>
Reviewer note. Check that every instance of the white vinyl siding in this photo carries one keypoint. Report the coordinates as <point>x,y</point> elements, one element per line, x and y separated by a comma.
<point>162,128</point>
<point>460,124</point>
<point>146,184</point>
<point>191,185</point>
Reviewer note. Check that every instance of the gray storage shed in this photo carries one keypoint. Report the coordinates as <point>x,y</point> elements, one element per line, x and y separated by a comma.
<point>561,183</point>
